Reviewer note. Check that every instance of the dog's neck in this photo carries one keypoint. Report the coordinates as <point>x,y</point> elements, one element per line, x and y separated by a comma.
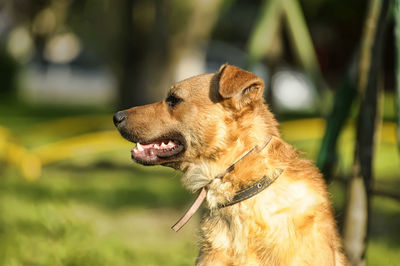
<point>222,180</point>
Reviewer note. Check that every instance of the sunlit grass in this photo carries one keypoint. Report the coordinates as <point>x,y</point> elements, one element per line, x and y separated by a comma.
<point>100,216</point>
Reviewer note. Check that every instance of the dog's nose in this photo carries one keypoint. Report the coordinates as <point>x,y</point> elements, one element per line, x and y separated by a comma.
<point>119,117</point>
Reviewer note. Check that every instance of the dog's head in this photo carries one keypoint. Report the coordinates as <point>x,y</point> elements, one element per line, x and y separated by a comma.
<point>201,118</point>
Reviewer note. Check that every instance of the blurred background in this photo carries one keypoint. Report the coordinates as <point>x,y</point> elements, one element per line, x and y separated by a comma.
<point>69,193</point>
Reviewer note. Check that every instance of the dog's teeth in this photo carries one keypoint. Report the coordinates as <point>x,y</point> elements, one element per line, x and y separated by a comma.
<point>163,145</point>
<point>139,147</point>
<point>170,143</point>
<point>156,146</point>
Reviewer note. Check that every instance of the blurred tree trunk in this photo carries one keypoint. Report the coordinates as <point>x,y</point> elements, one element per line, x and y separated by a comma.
<point>155,36</point>
<point>397,60</point>
<point>343,101</point>
<point>360,186</point>
<point>265,41</point>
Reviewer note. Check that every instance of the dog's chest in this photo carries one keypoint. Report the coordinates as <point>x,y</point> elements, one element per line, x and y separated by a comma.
<point>230,234</point>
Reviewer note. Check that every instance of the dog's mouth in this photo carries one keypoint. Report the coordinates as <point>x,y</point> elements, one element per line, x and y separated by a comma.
<point>156,152</point>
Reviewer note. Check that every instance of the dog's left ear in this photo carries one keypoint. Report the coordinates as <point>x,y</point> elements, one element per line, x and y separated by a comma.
<point>239,85</point>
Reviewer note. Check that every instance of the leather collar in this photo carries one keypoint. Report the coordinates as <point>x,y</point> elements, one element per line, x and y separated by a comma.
<point>239,196</point>
<point>251,190</point>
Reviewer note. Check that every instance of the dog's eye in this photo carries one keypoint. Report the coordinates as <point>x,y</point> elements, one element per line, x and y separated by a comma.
<point>172,100</point>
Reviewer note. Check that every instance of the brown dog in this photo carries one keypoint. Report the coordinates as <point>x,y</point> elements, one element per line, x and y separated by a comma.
<point>266,205</point>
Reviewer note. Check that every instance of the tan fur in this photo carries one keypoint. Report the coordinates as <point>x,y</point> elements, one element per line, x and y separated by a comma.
<point>221,117</point>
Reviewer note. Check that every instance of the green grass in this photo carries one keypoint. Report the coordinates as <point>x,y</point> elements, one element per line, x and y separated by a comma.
<point>384,243</point>
<point>94,216</point>
<point>120,215</point>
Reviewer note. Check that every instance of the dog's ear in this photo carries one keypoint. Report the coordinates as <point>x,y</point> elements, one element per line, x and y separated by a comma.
<point>239,85</point>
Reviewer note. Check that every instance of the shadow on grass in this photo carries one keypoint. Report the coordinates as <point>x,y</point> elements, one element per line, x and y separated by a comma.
<point>385,225</point>
<point>385,216</point>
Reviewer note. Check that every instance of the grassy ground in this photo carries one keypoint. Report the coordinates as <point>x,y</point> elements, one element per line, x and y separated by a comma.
<point>104,210</point>
<point>119,215</point>
<point>94,216</point>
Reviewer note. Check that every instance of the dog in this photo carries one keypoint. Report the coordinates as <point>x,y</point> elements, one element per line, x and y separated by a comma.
<point>266,205</point>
